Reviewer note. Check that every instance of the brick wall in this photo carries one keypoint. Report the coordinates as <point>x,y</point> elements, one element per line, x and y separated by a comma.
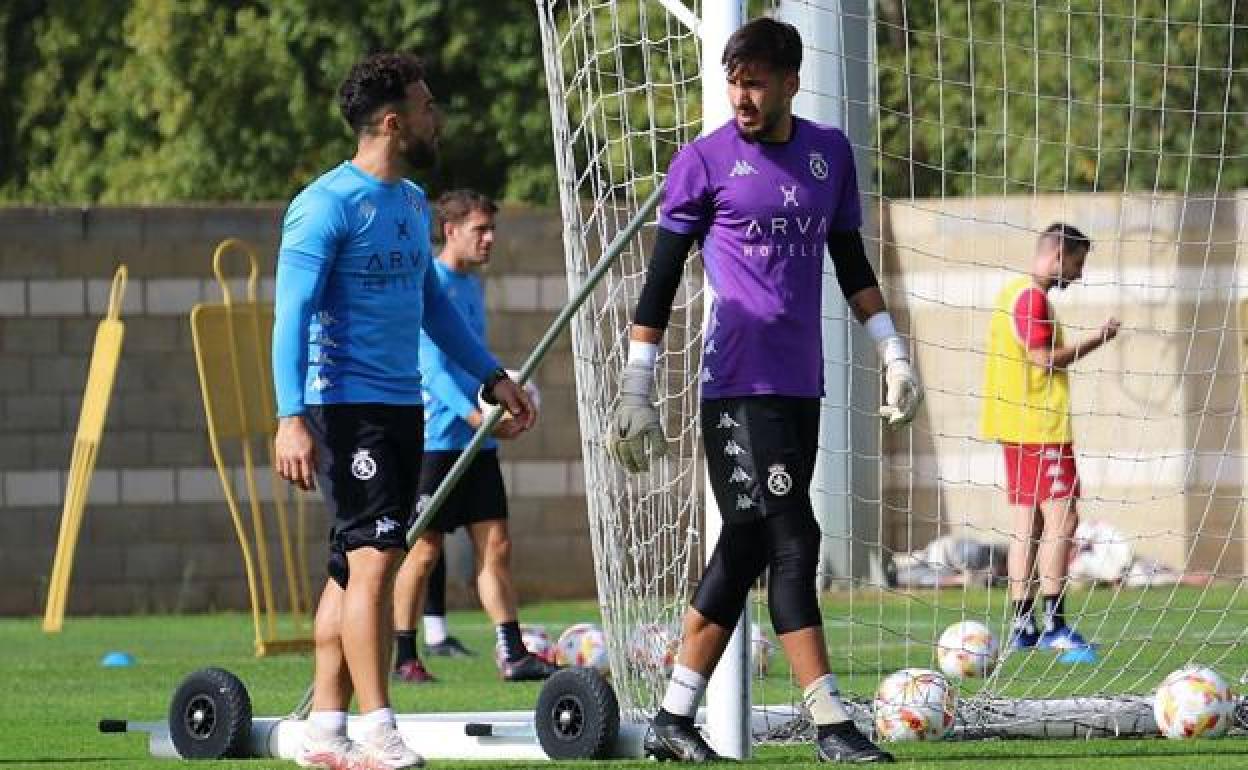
<point>156,533</point>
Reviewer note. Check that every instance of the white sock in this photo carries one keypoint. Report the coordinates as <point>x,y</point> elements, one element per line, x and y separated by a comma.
<point>329,721</point>
<point>684,690</point>
<point>435,629</point>
<point>377,718</point>
<point>823,701</point>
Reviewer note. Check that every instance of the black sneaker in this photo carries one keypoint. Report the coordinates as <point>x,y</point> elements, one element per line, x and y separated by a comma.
<point>530,668</point>
<point>450,647</point>
<point>678,742</point>
<point>844,743</point>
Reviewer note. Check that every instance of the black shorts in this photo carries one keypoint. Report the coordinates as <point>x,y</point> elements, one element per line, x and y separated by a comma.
<point>760,454</point>
<point>479,495</point>
<point>368,461</point>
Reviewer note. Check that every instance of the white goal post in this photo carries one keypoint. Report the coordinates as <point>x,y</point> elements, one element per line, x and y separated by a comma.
<point>976,125</point>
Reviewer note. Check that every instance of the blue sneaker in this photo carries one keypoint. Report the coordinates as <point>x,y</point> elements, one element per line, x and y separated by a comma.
<point>1024,639</point>
<point>1064,638</point>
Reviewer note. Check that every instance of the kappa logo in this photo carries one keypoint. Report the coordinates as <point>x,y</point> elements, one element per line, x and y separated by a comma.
<point>321,382</point>
<point>1058,486</point>
<point>385,524</point>
<point>818,166</point>
<point>732,449</point>
<point>422,502</point>
<point>742,168</point>
<point>726,421</point>
<point>325,319</point>
<point>710,348</point>
<point>779,482</point>
<point>739,476</point>
<point>706,374</point>
<point>367,209</point>
<point>363,466</point>
<point>790,195</point>
<point>744,502</point>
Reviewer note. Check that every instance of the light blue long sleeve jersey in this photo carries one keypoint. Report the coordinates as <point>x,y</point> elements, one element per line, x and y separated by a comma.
<point>354,291</point>
<point>450,390</point>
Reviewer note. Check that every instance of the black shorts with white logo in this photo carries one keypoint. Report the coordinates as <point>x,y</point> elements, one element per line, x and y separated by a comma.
<point>368,462</point>
<point>478,496</point>
<point>760,454</point>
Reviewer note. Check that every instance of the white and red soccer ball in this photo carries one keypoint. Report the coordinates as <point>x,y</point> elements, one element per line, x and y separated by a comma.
<point>1193,702</point>
<point>536,641</point>
<point>583,644</point>
<point>914,704</point>
<point>967,650</point>
<point>653,647</point>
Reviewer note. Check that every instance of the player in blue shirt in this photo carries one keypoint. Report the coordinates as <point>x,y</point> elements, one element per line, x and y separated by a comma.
<point>479,501</point>
<point>355,286</point>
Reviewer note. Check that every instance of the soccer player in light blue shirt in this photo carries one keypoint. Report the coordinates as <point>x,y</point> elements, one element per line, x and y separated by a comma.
<point>479,502</point>
<point>355,287</point>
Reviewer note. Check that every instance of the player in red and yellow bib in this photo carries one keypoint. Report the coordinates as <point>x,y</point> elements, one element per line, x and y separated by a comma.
<point>1026,408</point>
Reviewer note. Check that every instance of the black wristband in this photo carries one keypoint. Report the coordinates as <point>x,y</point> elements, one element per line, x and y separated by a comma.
<point>487,387</point>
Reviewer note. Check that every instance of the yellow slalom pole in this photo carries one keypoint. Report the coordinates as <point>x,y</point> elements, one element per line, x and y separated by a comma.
<point>101,374</point>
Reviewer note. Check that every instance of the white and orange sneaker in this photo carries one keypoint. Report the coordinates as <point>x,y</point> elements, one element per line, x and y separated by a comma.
<point>327,749</point>
<point>383,749</point>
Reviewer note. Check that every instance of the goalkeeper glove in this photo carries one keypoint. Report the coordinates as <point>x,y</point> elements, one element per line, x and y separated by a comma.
<point>636,434</point>
<point>903,393</point>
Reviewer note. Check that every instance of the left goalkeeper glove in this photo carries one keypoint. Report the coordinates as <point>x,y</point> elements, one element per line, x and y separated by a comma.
<point>903,393</point>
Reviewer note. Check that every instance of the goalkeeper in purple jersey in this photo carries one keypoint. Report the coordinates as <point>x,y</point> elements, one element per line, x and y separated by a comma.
<point>764,195</point>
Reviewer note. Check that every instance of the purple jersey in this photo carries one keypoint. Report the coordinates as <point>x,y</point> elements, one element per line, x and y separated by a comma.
<point>765,211</point>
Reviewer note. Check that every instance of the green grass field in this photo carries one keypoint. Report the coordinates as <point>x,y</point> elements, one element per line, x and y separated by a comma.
<point>57,691</point>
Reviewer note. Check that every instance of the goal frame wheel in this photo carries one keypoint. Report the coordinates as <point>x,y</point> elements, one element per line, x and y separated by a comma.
<point>577,715</point>
<point>210,715</point>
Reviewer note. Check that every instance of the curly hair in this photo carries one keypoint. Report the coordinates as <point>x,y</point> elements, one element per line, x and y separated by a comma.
<point>375,81</point>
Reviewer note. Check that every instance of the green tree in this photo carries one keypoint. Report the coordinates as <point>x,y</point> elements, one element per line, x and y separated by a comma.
<point>998,96</point>
<point>152,100</point>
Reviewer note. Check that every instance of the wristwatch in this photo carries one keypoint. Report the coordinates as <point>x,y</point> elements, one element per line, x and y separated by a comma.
<point>487,387</point>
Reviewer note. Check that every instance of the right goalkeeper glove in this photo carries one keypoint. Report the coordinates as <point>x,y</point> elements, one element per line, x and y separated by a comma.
<point>636,434</point>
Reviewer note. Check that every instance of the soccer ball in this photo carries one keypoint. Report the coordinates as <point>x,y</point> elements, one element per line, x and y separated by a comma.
<point>583,644</point>
<point>914,704</point>
<point>530,387</point>
<point>536,641</point>
<point>653,646</point>
<point>1193,702</point>
<point>761,649</point>
<point>967,649</point>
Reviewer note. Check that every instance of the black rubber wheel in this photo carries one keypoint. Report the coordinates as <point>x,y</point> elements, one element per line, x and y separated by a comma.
<point>577,715</point>
<point>210,715</point>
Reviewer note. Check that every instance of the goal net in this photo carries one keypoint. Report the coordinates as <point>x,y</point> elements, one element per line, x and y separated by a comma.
<point>976,125</point>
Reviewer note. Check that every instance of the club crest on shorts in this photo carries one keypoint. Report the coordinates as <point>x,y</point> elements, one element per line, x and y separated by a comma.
<point>779,482</point>
<point>818,166</point>
<point>363,466</point>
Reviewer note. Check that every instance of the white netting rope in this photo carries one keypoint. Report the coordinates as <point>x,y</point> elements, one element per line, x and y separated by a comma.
<point>986,121</point>
<point>624,98</point>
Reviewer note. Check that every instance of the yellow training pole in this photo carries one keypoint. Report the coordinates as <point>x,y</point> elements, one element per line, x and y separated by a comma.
<point>101,374</point>
<point>231,344</point>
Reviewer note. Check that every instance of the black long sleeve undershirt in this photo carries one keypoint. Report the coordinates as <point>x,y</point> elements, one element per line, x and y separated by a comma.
<point>671,249</point>
<point>849,259</point>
